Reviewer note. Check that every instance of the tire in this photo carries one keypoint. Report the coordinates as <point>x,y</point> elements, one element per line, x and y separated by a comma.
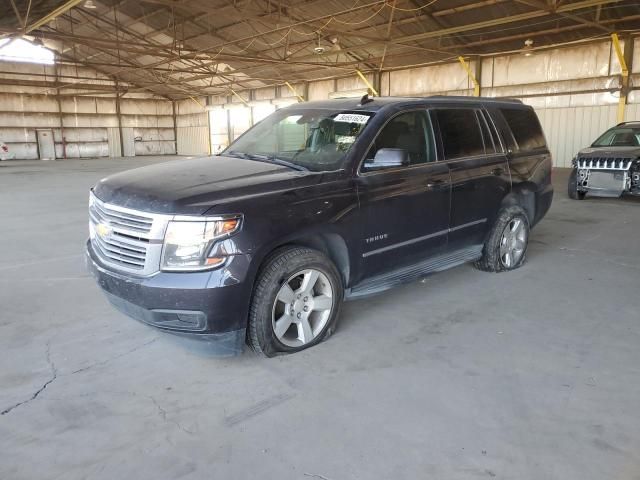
<point>287,320</point>
<point>493,259</point>
<point>572,187</point>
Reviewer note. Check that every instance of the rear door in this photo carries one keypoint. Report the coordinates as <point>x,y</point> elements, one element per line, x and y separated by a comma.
<point>479,173</point>
<point>405,210</point>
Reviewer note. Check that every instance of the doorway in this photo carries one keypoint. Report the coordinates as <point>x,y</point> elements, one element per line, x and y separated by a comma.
<point>46,145</point>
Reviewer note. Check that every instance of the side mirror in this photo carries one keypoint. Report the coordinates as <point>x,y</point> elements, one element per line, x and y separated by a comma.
<point>387,158</point>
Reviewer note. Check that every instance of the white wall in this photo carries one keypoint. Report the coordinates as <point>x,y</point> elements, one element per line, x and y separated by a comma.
<point>192,126</point>
<point>569,129</point>
<point>84,123</point>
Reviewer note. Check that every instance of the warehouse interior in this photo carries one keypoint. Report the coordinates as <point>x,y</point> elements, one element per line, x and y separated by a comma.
<point>529,374</point>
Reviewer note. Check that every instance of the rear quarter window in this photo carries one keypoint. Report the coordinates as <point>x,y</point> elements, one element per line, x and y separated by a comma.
<point>525,127</point>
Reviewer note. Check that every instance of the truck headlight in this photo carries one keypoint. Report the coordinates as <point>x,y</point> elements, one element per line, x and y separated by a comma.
<point>187,243</point>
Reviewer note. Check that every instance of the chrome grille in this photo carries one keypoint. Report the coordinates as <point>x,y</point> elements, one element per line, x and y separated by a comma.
<point>126,239</point>
<point>121,253</point>
<point>604,163</point>
<point>117,218</point>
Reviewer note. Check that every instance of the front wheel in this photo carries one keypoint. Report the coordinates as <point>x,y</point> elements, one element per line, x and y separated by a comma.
<point>295,302</point>
<point>572,186</point>
<point>506,246</point>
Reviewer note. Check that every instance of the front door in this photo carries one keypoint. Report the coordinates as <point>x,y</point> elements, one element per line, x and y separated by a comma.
<point>405,209</point>
<point>479,174</point>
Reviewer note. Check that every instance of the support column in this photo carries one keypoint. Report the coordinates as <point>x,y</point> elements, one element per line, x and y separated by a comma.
<point>228,115</point>
<point>60,119</point>
<point>478,75</point>
<point>119,119</point>
<point>472,76</point>
<point>625,59</point>
<point>175,125</point>
<point>295,93</point>
<point>306,91</point>
<point>368,83</point>
<point>207,101</point>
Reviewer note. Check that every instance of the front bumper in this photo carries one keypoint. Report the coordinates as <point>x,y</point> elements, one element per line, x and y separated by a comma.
<point>607,176</point>
<point>211,306</point>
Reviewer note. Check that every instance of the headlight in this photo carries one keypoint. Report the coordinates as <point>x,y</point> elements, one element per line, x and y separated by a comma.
<point>187,244</point>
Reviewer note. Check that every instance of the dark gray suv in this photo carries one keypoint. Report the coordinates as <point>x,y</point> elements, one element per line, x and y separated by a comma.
<point>319,202</point>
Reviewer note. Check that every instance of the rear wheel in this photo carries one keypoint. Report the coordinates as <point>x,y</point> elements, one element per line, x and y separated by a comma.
<point>506,246</point>
<point>295,303</point>
<point>572,187</point>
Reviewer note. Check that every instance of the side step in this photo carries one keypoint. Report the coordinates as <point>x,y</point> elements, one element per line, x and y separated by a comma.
<point>410,273</point>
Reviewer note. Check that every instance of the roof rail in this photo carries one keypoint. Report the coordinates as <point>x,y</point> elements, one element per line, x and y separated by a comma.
<point>462,97</point>
<point>629,121</point>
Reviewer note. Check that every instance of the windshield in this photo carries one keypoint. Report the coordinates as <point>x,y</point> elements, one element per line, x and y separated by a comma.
<point>619,137</point>
<point>309,139</point>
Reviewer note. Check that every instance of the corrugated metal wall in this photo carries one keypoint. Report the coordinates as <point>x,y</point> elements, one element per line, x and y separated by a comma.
<point>84,126</point>
<point>192,125</point>
<point>572,128</point>
<point>113,139</point>
<point>193,140</point>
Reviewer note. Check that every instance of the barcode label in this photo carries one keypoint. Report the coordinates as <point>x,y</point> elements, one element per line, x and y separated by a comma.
<point>351,118</point>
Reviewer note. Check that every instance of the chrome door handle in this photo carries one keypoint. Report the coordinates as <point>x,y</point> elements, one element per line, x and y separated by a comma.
<point>434,183</point>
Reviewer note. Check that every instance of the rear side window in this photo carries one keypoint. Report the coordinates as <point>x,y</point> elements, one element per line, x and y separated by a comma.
<point>489,146</point>
<point>525,127</point>
<point>460,132</point>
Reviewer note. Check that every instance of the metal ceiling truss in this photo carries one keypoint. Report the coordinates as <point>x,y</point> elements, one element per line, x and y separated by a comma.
<point>207,54</point>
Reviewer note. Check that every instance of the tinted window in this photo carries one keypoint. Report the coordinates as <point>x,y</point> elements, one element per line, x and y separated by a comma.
<point>525,127</point>
<point>493,130</point>
<point>460,132</point>
<point>488,140</point>
<point>315,138</point>
<point>619,137</point>
<point>409,131</point>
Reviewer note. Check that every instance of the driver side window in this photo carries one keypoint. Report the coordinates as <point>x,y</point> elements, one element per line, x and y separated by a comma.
<point>409,132</point>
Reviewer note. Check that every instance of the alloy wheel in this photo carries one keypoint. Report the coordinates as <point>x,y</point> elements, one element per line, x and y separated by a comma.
<point>513,242</point>
<point>302,308</point>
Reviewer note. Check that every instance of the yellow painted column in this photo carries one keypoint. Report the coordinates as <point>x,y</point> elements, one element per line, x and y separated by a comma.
<point>476,85</point>
<point>624,84</point>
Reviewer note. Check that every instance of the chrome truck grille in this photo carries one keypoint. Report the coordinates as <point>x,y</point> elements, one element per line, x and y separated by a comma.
<point>126,239</point>
<point>604,163</point>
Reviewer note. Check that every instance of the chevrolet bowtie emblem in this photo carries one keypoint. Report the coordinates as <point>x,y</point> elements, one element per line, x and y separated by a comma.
<point>103,230</point>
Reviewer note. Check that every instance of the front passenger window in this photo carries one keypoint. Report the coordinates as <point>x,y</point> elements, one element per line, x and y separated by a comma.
<point>410,132</point>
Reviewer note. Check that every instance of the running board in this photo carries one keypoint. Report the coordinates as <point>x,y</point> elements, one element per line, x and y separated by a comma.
<point>410,273</point>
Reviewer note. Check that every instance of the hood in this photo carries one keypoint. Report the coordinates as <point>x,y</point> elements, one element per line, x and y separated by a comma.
<point>610,152</point>
<point>195,185</point>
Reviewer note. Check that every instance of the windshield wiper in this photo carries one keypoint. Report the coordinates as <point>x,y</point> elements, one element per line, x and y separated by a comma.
<point>268,159</point>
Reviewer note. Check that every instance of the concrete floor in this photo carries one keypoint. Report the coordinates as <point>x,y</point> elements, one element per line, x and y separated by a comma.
<point>534,374</point>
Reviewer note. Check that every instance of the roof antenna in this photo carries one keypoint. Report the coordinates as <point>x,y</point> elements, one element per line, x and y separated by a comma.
<point>365,99</point>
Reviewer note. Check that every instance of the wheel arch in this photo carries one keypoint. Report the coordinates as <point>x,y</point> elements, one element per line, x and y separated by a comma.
<point>331,244</point>
<point>524,196</point>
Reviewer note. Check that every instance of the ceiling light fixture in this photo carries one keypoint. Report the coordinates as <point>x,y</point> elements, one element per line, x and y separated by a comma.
<point>319,50</point>
<point>528,48</point>
<point>90,5</point>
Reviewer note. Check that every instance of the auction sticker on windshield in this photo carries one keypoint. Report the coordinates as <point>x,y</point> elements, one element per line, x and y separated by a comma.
<point>351,118</point>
